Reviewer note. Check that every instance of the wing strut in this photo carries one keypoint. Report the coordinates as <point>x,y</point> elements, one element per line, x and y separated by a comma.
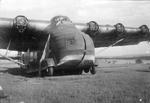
<point>45,49</point>
<point>12,60</point>
<point>44,53</point>
<point>8,47</point>
<point>112,45</point>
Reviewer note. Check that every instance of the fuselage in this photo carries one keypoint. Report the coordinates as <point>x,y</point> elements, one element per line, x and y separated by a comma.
<point>71,47</point>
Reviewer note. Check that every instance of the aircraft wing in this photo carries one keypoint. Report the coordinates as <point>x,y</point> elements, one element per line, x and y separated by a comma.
<point>31,35</point>
<point>24,34</point>
<point>118,35</point>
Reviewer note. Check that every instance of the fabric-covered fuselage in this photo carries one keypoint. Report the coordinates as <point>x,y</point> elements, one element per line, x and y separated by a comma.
<point>71,47</point>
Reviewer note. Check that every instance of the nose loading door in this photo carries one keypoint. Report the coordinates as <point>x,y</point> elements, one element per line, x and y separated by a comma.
<point>89,53</point>
<point>84,51</point>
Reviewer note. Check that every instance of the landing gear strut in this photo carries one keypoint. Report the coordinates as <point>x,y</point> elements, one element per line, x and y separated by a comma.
<point>45,69</point>
<point>50,71</point>
<point>86,70</point>
<point>92,70</point>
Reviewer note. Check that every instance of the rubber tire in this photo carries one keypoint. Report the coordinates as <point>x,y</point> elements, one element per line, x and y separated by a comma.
<point>86,70</point>
<point>43,72</point>
<point>92,70</point>
<point>50,71</point>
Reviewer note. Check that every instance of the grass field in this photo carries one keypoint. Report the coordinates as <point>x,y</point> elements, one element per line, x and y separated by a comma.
<point>112,84</point>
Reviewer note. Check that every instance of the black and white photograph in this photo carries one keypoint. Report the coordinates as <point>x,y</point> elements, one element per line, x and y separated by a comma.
<point>74,51</point>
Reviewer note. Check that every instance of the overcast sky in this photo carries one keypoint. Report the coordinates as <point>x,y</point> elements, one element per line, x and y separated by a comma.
<point>130,13</point>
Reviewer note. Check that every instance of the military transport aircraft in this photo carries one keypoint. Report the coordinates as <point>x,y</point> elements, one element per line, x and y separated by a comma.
<point>60,44</point>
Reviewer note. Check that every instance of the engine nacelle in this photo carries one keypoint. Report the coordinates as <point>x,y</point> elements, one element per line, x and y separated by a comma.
<point>93,28</point>
<point>120,30</point>
<point>20,23</point>
<point>144,29</point>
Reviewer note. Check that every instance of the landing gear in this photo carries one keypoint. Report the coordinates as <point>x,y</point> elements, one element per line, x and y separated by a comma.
<point>86,70</point>
<point>46,70</point>
<point>50,71</point>
<point>92,70</point>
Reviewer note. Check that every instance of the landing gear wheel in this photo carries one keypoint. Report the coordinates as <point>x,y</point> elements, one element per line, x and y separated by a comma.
<point>92,70</point>
<point>50,71</point>
<point>86,70</point>
<point>43,71</point>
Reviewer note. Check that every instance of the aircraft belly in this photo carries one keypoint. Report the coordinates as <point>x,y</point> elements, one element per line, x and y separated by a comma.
<point>77,59</point>
<point>70,61</point>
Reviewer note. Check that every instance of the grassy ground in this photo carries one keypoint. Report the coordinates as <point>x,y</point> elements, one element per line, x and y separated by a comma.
<point>112,84</point>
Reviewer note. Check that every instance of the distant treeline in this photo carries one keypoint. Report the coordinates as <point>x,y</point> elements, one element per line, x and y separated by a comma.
<point>16,58</point>
<point>126,57</point>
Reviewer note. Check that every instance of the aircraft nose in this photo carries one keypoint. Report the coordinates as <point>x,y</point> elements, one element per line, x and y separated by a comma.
<point>57,20</point>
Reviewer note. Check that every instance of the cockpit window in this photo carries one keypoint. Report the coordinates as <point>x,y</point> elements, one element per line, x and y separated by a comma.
<point>20,23</point>
<point>61,20</point>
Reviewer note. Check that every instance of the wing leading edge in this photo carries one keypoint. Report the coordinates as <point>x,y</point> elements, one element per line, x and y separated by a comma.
<point>106,35</point>
<point>24,34</point>
<point>31,35</point>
